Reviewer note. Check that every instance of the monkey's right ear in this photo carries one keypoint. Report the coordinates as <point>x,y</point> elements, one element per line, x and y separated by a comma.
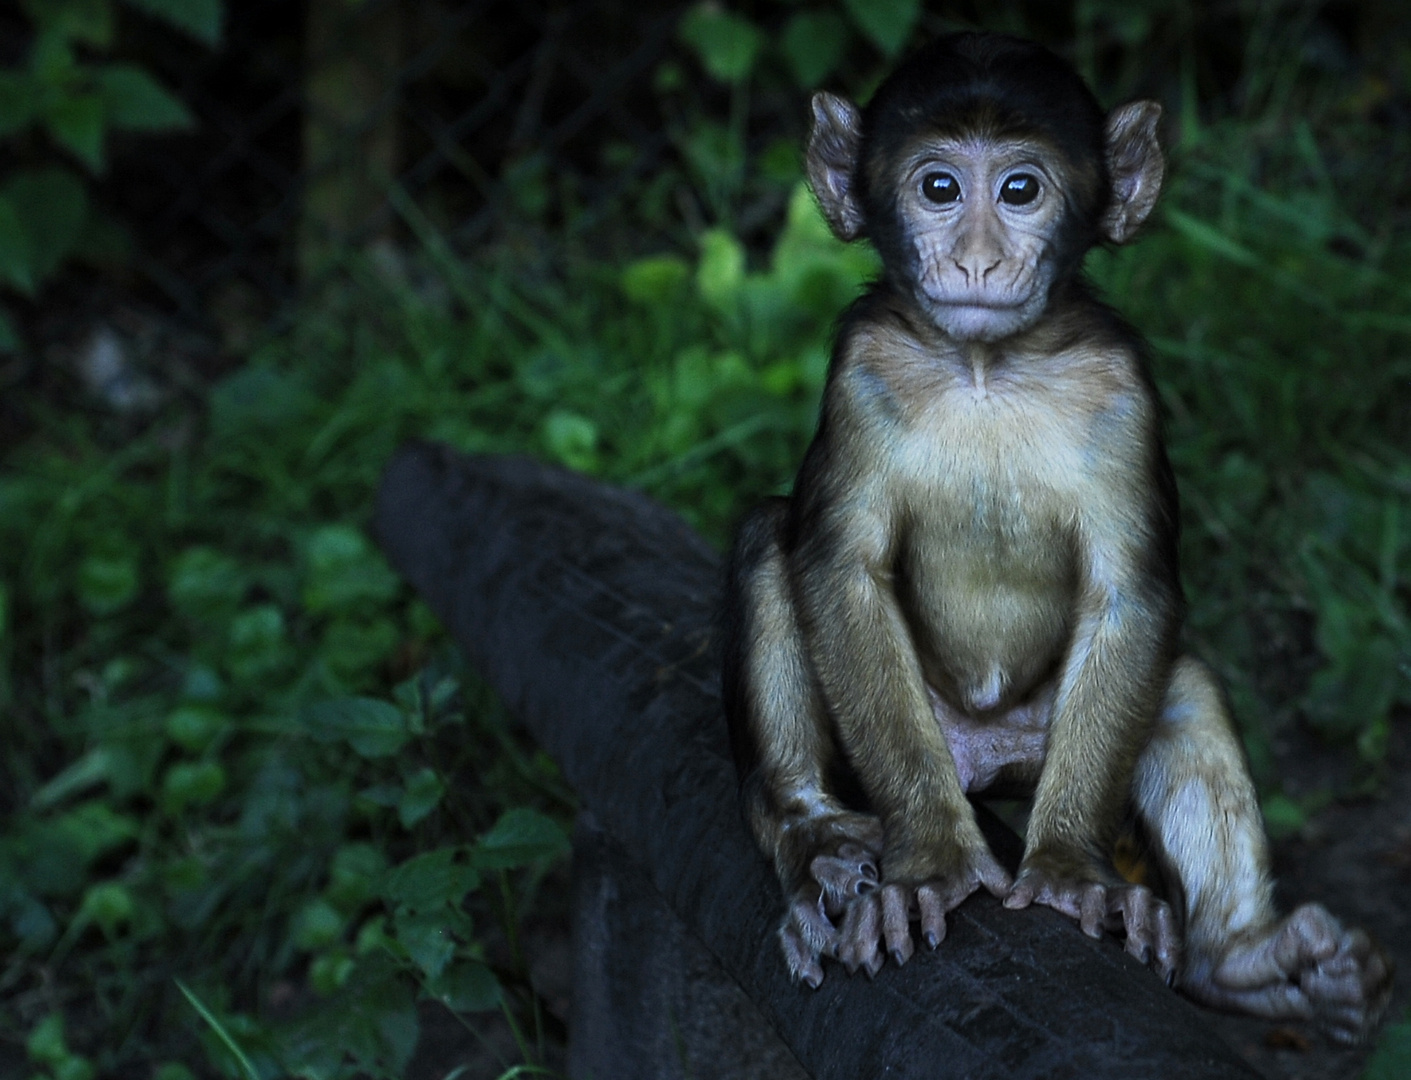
<point>833,141</point>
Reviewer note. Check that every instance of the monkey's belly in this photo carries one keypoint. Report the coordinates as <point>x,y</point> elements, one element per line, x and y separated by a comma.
<point>987,646</point>
<point>1003,751</point>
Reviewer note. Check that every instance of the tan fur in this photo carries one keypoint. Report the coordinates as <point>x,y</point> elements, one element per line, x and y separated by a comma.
<point>973,588</point>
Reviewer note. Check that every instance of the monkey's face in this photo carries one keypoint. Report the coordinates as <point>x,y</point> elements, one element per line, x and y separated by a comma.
<point>981,220</point>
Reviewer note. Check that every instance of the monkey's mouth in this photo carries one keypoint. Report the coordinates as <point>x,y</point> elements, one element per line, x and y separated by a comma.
<point>968,317</point>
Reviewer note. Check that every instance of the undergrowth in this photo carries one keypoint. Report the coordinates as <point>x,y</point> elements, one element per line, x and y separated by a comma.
<point>256,810</point>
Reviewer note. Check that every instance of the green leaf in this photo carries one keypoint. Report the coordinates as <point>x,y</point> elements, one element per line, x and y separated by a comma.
<point>75,1067</point>
<point>87,21</point>
<point>655,280</point>
<point>193,726</point>
<point>92,769</point>
<point>317,925</point>
<point>1355,692</point>
<point>258,645</point>
<point>433,879</point>
<point>17,102</point>
<point>199,18</point>
<point>721,271</point>
<point>108,583</point>
<point>94,828</point>
<point>427,938</point>
<point>521,836</point>
<point>109,905</point>
<point>16,251</point>
<point>886,23</point>
<point>372,728</point>
<point>344,570</point>
<point>46,1042</point>
<point>726,43</point>
<point>76,123</point>
<point>813,43</point>
<point>572,438</point>
<point>191,783</point>
<point>468,986</point>
<point>353,648</point>
<point>53,207</point>
<point>353,877</point>
<point>1283,816</point>
<point>205,583</point>
<point>372,1019</point>
<point>422,794</point>
<point>1392,1058</point>
<point>136,101</point>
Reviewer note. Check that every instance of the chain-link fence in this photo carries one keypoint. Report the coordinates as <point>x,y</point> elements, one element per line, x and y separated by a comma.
<point>328,125</point>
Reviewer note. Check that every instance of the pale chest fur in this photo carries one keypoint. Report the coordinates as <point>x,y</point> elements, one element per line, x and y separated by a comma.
<point>995,472</point>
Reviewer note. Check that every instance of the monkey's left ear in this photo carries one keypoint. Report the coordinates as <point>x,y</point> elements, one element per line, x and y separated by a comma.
<point>1135,163</point>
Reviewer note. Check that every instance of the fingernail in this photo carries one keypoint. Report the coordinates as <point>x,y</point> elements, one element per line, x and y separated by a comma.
<point>932,938</point>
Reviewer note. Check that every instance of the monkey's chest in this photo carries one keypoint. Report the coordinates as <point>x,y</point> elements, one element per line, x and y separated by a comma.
<point>988,571</point>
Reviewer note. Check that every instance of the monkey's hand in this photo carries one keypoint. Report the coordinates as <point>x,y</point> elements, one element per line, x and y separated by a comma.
<point>883,916</point>
<point>1306,966</point>
<point>1099,906</point>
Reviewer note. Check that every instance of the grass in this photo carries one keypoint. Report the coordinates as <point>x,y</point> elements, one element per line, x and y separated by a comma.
<point>249,786</point>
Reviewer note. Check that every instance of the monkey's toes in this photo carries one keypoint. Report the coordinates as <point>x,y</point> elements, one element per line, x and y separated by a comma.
<point>1145,920</point>
<point>1306,967</point>
<point>1344,975</point>
<point>1149,924</point>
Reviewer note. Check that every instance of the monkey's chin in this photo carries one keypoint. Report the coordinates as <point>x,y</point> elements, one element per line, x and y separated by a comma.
<point>982,322</point>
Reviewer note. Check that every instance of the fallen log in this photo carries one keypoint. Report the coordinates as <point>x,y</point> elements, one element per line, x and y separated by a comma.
<point>589,608</point>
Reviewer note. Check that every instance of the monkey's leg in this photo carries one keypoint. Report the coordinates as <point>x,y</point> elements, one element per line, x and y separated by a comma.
<point>824,854</point>
<point>1194,794</point>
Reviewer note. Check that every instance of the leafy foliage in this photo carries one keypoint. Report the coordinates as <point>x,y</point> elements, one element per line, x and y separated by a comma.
<point>242,756</point>
<point>45,213</point>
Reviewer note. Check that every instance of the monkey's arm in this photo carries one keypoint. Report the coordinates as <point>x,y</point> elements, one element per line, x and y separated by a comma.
<point>1110,686</point>
<point>862,651</point>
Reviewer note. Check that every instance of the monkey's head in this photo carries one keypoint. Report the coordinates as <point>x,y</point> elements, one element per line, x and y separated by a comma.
<point>983,169</point>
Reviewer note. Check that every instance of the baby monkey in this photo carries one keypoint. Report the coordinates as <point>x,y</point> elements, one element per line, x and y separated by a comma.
<point>974,586</point>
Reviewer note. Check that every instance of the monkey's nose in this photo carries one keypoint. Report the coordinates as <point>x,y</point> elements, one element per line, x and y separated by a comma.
<point>974,272</point>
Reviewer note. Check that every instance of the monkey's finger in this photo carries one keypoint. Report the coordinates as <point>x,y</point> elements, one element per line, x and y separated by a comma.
<point>1092,909</point>
<point>896,922</point>
<point>933,915</point>
<point>801,959</point>
<point>841,879</point>
<point>994,877</point>
<point>1022,893</point>
<point>862,858</point>
<point>807,918</point>
<point>860,938</point>
<point>1167,942</point>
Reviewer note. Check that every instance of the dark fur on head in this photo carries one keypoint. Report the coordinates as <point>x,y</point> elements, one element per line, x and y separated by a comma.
<point>990,84</point>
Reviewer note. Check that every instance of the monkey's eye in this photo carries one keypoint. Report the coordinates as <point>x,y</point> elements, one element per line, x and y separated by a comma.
<point>1019,189</point>
<point>940,187</point>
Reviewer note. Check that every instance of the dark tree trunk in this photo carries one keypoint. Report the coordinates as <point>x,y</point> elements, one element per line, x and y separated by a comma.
<point>590,609</point>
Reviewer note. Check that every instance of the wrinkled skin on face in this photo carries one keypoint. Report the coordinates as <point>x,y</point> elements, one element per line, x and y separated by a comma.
<point>983,224</point>
<point>983,214</point>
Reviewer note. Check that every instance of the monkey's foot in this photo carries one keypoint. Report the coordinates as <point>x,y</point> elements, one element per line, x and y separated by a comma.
<point>882,917</point>
<point>808,933</point>
<point>1305,967</point>
<point>1145,919</point>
